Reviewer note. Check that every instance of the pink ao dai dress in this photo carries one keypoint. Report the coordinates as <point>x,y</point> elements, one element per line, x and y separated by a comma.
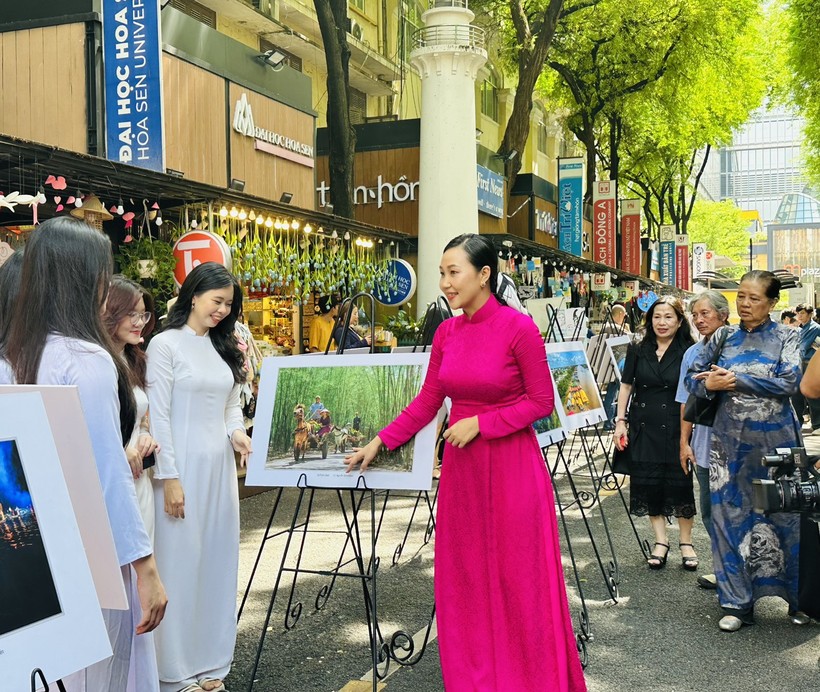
<point>503,618</point>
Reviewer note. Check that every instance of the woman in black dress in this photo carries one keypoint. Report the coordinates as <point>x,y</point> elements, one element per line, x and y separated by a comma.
<point>659,487</point>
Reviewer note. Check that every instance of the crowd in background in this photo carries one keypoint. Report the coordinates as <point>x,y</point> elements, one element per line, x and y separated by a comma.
<point>167,427</point>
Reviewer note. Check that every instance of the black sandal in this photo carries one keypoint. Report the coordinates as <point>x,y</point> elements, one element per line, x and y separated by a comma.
<point>661,559</point>
<point>689,563</point>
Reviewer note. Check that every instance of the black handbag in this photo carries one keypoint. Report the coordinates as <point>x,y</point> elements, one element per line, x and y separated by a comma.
<point>700,410</point>
<point>621,460</point>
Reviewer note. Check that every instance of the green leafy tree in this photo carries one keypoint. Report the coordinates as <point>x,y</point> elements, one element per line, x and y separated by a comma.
<point>800,20</point>
<point>669,130</point>
<point>722,227</point>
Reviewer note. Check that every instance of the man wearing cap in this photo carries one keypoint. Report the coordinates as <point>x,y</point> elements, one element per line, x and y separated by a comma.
<point>809,333</point>
<point>321,327</point>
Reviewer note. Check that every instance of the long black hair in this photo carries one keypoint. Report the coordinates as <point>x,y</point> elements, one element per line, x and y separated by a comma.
<point>64,284</point>
<point>482,253</point>
<point>10,274</point>
<point>683,337</point>
<point>211,276</point>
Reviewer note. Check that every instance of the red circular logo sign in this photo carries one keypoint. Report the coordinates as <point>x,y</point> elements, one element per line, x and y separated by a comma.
<point>194,248</point>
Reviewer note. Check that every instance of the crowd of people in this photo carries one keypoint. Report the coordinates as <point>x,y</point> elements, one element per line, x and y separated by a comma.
<point>166,424</point>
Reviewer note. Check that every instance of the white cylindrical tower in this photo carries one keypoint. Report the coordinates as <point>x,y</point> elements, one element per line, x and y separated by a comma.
<point>448,53</point>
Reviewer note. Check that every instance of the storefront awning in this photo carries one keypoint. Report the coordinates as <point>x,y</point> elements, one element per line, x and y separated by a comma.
<point>24,167</point>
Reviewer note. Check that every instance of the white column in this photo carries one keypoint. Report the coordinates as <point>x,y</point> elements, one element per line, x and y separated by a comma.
<point>448,54</point>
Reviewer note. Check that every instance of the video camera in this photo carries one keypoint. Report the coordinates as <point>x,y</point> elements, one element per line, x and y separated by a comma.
<point>796,484</point>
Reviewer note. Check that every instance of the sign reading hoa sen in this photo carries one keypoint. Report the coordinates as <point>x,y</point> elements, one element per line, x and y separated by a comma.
<point>267,140</point>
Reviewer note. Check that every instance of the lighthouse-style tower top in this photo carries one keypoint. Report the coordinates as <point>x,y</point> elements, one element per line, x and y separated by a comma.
<point>448,26</point>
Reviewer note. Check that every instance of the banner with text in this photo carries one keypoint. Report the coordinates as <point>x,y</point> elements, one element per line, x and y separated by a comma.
<point>490,192</point>
<point>631,235</point>
<point>603,222</point>
<point>570,204</point>
<point>698,259</point>
<point>667,269</point>
<point>682,279</point>
<point>133,87</point>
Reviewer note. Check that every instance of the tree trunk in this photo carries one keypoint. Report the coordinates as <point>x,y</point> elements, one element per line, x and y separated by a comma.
<point>332,17</point>
<point>532,57</point>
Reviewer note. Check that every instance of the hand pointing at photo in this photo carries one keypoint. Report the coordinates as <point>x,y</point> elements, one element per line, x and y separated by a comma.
<point>364,455</point>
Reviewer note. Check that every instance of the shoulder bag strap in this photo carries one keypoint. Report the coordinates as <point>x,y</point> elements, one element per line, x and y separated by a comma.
<point>721,340</point>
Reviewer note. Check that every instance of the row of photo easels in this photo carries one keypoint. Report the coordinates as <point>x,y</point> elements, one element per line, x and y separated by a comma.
<point>575,450</point>
<point>362,502</point>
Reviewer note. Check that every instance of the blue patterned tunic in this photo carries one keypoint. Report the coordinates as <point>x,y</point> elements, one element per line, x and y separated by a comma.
<point>754,555</point>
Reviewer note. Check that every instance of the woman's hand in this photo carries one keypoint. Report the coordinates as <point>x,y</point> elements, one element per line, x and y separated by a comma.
<point>241,444</point>
<point>174,498</point>
<point>364,454</point>
<point>619,436</point>
<point>687,458</point>
<point>151,592</point>
<point>146,444</point>
<point>134,461</point>
<point>462,433</point>
<point>718,379</point>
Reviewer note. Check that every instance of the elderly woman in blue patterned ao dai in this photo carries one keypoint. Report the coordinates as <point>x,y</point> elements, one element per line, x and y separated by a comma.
<point>756,373</point>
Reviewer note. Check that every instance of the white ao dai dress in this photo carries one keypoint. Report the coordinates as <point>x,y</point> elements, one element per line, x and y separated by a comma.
<point>194,406</point>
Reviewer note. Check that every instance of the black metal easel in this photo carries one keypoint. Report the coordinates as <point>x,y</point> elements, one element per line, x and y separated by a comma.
<point>38,673</point>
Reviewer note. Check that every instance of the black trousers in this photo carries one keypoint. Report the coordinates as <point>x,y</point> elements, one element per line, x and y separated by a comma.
<point>801,403</point>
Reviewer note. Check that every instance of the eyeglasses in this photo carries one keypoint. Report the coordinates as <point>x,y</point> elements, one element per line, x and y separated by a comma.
<point>137,317</point>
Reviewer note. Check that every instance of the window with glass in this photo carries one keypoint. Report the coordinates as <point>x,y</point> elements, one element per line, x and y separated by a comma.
<point>489,97</point>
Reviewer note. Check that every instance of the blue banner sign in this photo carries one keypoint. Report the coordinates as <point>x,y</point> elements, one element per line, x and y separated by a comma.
<point>133,91</point>
<point>570,204</point>
<point>490,192</point>
<point>667,254</point>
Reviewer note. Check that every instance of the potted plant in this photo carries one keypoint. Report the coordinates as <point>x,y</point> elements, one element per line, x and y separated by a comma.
<point>150,262</point>
<point>404,327</point>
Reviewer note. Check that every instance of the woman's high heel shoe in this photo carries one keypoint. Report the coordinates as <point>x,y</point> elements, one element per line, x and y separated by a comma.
<point>689,563</point>
<point>658,561</point>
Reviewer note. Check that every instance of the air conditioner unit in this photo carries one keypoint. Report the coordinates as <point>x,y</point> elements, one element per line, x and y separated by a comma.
<point>355,29</point>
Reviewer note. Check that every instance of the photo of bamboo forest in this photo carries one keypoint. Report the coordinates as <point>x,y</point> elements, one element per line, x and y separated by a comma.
<point>321,413</point>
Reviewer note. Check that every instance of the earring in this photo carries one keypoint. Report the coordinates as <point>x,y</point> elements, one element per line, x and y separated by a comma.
<point>483,284</point>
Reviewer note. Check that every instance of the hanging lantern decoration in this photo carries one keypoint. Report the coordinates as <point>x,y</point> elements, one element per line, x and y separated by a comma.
<point>92,212</point>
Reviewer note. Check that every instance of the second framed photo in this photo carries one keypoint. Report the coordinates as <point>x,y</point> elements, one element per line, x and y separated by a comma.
<point>313,411</point>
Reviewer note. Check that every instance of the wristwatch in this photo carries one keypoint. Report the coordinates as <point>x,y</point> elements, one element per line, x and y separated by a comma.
<point>619,419</point>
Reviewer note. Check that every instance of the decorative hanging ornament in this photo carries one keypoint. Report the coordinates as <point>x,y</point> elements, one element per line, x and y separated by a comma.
<point>56,182</point>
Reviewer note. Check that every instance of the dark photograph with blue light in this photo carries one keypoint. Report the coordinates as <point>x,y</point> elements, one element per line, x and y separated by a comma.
<point>27,593</point>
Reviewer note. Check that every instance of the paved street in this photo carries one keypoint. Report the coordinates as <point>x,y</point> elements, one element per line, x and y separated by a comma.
<point>661,634</point>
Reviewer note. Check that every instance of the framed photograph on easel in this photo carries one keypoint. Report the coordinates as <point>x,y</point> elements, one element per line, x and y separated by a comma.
<point>50,616</point>
<point>313,411</point>
<point>617,347</point>
<point>575,384</point>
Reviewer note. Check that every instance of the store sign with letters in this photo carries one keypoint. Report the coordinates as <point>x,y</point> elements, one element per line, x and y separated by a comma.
<point>267,140</point>
<point>603,222</point>
<point>195,248</point>
<point>570,201</point>
<point>682,262</point>
<point>133,89</point>
<point>490,192</point>
<point>400,287</point>
<point>667,238</point>
<point>698,259</point>
<point>631,235</point>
